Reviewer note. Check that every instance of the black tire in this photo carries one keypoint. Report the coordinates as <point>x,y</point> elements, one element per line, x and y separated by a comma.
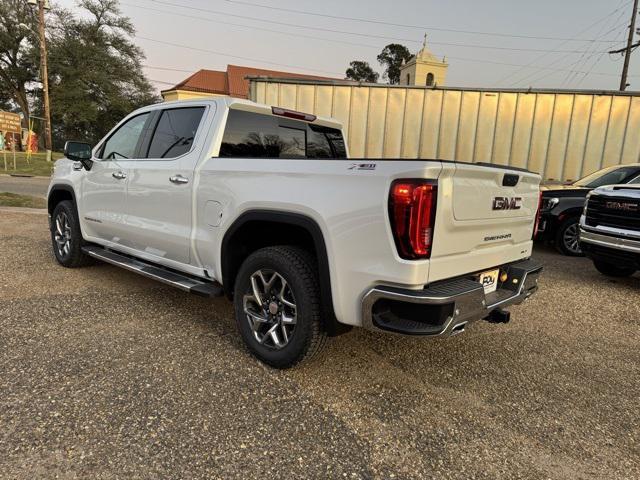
<point>611,270</point>
<point>566,240</point>
<point>297,270</point>
<point>70,256</point>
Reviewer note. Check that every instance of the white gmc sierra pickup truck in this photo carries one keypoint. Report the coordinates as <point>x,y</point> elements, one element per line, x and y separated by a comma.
<point>261,204</point>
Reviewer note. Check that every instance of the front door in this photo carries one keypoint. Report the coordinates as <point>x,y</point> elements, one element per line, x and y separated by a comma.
<point>104,187</point>
<point>160,186</point>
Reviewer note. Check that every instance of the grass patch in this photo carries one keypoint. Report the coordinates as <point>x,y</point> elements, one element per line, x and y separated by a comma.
<point>15,200</point>
<point>37,164</point>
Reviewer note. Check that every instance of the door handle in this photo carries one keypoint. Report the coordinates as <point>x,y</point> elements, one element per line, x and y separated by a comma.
<point>119,175</point>
<point>178,179</point>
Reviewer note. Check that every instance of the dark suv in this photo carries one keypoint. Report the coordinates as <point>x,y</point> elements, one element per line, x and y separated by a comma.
<point>610,229</point>
<point>562,205</point>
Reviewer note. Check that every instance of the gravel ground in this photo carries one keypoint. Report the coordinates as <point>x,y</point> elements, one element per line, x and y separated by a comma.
<point>104,374</point>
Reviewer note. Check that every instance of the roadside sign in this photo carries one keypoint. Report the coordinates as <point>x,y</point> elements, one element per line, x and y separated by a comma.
<point>10,122</point>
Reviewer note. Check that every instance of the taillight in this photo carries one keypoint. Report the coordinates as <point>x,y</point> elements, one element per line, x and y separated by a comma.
<point>538,214</point>
<point>412,210</point>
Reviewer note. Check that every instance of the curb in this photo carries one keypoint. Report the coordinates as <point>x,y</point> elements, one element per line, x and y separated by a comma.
<point>33,211</point>
<point>23,175</point>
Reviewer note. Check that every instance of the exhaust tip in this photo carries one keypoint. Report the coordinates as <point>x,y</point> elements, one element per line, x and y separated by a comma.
<point>458,329</point>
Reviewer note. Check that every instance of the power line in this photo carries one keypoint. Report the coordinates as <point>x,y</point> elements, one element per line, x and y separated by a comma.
<point>403,25</point>
<point>169,69</point>
<point>221,22</point>
<point>539,57</point>
<point>464,59</point>
<point>162,82</point>
<point>590,70</point>
<point>571,76</point>
<point>223,54</point>
<point>275,22</point>
<point>536,67</point>
<point>367,35</point>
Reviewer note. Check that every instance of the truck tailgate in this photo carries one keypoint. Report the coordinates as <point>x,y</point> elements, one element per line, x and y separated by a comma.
<point>485,217</point>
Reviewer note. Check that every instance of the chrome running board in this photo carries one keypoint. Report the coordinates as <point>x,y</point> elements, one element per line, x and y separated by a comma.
<point>182,281</point>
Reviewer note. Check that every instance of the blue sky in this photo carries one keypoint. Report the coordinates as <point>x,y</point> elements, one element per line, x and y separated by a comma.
<point>548,58</point>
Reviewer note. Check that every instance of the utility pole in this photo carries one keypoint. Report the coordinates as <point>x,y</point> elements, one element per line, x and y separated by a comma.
<point>44,73</point>
<point>630,46</point>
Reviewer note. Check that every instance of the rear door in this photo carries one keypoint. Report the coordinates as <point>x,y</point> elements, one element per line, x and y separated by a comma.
<point>485,217</point>
<point>161,185</point>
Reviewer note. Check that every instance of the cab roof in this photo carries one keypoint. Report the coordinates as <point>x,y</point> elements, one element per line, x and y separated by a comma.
<point>241,104</point>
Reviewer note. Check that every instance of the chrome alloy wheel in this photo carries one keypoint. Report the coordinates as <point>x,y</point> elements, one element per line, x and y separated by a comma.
<point>270,308</point>
<point>571,239</point>
<point>62,234</point>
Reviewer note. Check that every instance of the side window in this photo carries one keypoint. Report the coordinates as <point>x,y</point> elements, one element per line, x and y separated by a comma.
<point>325,142</point>
<point>252,135</point>
<point>122,143</point>
<point>337,142</point>
<point>175,132</point>
<point>249,135</point>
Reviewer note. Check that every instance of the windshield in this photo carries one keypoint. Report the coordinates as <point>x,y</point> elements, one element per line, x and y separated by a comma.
<point>608,176</point>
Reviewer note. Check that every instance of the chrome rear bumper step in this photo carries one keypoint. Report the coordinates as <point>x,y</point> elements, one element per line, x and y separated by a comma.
<point>184,282</point>
<point>445,308</point>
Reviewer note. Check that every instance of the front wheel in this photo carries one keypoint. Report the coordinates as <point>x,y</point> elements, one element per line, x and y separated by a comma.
<point>277,306</point>
<point>611,270</point>
<point>568,237</point>
<point>66,237</point>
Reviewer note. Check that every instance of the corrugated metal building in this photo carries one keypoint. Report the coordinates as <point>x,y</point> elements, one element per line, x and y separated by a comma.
<point>564,135</point>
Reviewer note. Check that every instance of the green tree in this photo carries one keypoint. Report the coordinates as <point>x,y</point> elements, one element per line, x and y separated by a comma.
<point>19,55</point>
<point>96,72</point>
<point>362,72</point>
<point>391,58</point>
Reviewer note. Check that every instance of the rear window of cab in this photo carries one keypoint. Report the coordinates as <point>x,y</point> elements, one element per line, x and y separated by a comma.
<point>253,135</point>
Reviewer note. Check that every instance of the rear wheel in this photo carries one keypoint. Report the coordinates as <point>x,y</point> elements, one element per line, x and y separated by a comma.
<point>611,270</point>
<point>66,237</point>
<point>568,236</point>
<point>277,306</point>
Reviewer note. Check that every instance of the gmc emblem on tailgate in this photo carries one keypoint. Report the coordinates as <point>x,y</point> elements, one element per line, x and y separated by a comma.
<point>627,207</point>
<point>506,203</point>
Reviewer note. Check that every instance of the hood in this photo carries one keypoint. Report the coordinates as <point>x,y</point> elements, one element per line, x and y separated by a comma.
<point>564,191</point>
<point>623,190</point>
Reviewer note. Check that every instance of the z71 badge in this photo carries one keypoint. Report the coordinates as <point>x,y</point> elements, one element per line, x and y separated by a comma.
<point>362,166</point>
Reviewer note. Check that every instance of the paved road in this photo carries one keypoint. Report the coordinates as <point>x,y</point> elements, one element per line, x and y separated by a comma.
<point>106,375</point>
<point>33,186</point>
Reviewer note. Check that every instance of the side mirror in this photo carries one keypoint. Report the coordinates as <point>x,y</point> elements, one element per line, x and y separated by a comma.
<point>79,152</point>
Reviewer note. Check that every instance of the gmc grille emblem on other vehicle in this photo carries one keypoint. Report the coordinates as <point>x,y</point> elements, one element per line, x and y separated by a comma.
<point>627,207</point>
<point>506,203</point>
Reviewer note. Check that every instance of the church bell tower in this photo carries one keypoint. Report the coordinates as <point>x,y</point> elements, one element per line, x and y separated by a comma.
<point>424,69</point>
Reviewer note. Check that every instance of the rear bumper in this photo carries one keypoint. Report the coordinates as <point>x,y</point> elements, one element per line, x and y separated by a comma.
<point>445,308</point>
